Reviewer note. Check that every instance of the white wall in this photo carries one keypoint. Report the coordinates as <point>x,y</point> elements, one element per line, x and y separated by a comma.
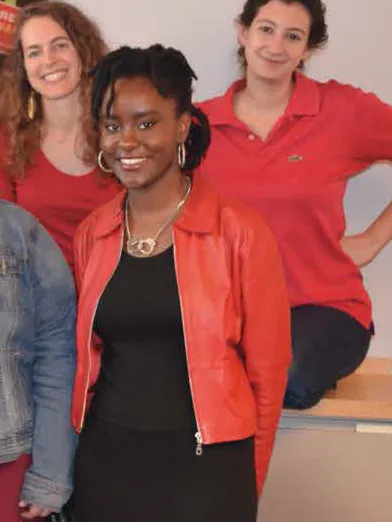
<point>359,52</point>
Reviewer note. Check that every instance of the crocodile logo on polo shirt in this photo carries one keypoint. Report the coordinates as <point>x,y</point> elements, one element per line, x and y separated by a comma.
<point>295,157</point>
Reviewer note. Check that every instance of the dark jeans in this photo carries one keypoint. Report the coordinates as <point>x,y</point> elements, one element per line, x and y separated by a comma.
<point>328,344</point>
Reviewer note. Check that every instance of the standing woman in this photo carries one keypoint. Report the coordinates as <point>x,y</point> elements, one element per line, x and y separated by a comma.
<point>287,145</point>
<point>183,324</point>
<point>48,147</point>
<point>37,369</point>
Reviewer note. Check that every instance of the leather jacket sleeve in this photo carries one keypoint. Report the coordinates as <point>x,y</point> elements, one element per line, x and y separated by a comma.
<point>266,336</point>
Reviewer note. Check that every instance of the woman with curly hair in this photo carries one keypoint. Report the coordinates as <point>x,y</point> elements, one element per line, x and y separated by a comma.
<point>48,149</point>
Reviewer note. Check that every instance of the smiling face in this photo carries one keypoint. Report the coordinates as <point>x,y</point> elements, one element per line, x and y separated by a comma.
<point>52,64</point>
<point>139,136</point>
<point>276,41</point>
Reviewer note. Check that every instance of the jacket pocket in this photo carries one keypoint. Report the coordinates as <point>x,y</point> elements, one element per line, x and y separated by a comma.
<point>9,263</point>
<point>15,411</point>
<point>14,405</point>
<point>10,273</point>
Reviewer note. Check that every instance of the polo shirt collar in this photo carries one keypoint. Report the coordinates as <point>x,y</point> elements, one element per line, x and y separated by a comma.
<point>221,112</point>
<point>305,101</point>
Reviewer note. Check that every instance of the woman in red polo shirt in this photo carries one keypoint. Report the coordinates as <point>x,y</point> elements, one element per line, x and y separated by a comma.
<point>287,145</point>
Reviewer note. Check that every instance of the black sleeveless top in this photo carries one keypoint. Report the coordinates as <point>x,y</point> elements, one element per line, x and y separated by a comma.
<point>143,383</point>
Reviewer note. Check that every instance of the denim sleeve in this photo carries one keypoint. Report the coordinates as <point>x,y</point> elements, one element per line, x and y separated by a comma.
<point>48,482</point>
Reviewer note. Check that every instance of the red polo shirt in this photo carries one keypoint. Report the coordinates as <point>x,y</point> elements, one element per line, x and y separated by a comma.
<point>297,179</point>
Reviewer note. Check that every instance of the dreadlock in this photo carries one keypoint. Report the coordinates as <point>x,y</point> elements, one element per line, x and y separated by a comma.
<point>171,75</point>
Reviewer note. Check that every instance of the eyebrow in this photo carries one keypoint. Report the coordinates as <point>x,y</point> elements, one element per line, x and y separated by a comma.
<point>298,29</point>
<point>55,40</point>
<point>137,115</point>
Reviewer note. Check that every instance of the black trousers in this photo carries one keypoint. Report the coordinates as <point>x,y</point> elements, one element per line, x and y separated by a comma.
<point>327,344</point>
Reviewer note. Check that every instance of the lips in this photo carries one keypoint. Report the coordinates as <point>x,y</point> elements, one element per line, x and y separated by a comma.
<point>132,162</point>
<point>54,76</point>
<point>273,62</point>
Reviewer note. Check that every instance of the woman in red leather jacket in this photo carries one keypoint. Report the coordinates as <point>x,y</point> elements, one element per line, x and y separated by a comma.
<point>183,327</point>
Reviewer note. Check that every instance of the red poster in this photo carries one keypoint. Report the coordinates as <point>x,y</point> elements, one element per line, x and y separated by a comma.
<point>8,18</point>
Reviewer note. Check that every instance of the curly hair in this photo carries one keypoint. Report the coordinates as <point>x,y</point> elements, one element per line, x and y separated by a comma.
<point>22,134</point>
<point>318,36</point>
<point>171,75</point>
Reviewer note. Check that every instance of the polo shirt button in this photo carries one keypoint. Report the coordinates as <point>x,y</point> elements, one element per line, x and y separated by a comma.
<point>251,137</point>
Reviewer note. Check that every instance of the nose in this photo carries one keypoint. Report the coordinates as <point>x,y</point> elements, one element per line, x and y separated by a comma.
<point>129,138</point>
<point>276,44</point>
<point>49,55</point>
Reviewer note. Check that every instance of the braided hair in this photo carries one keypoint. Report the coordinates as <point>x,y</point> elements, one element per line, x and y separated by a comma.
<point>171,75</point>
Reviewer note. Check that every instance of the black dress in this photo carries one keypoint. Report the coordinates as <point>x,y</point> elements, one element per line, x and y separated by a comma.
<point>136,460</point>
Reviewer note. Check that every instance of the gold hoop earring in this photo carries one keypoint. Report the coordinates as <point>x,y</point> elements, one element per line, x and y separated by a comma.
<point>31,106</point>
<point>101,165</point>
<point>181,155</point>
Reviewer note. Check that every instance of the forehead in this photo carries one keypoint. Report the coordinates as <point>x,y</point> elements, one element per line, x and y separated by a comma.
<point>39,30</point>
<point>291,15</point>
<point>136,94</point>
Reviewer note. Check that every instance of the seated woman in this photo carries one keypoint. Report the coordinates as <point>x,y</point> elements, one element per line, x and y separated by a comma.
<point>37,365</point>
<point>287,145</point>
<point>183,323</point>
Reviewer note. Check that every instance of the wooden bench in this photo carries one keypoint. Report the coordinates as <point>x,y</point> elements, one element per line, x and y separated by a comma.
<point>334,461</point>
<point>366,394</point>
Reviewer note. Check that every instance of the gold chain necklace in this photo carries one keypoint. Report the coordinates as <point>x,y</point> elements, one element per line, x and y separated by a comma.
<point>144,247</point>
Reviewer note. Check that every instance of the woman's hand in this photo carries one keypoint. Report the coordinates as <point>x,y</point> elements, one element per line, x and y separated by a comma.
<point>364,247</point>
<point>360,247</point>
<point>31,511</point>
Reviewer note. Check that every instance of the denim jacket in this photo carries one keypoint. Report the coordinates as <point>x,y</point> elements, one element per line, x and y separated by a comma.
<point>37,357</point>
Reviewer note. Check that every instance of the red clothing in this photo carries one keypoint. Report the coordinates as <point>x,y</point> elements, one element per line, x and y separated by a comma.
<point>234,308</point>
<point>11,480</point>
<point>6,187</point>
<point>60,201</point>
<point>297,179</point>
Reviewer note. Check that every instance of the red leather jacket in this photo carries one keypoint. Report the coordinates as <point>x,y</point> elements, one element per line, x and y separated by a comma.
<point>235,315</point>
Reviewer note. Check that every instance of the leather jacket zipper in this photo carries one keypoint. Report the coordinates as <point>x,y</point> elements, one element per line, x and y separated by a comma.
<point>199,444</point>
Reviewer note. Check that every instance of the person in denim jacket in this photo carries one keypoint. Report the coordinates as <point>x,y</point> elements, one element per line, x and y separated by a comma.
<point>37,364</point>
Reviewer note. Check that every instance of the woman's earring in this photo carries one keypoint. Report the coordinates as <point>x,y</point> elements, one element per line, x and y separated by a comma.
<point>31,106</point>
<point>101,164</point>
<point>181,155</point>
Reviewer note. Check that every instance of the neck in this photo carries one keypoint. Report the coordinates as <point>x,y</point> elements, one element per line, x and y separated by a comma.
<point>61,116</point>
<point>158,198</point>
<point>267,95</point>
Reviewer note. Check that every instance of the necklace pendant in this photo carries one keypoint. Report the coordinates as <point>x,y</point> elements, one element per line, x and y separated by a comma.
<point>141,247</point>
<point>146,246</point>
